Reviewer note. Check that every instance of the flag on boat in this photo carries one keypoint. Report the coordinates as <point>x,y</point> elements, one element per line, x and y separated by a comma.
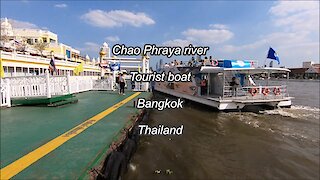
<point>115,67</point>
<point>1,69</point>
<point>78,69</point>
<point>273,55</point>
<point>52,66</point>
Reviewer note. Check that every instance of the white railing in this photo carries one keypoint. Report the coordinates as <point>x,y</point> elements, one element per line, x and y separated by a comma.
<point>103,84</point>
<point>256,92</point>
<point>141,86</point>
<point>29,86</point>
<point>48,86</point>
<point>78,84</point>
<point>58,85</point>
<point>5,93</point>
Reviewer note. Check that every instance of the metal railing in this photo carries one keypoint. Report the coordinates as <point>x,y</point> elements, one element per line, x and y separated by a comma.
<point>43,86</point>
<point>255,92</point>
<point>5,99</point>
<point>48,86</point>
<point>141,86</point>
<point>103,84</point>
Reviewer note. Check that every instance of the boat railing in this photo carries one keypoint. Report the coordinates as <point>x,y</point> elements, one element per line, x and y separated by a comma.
<point>255,92</point>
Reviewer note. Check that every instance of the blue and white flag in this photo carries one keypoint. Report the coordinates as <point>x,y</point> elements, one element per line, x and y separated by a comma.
<point>115,67</point>
<point>273,55</point>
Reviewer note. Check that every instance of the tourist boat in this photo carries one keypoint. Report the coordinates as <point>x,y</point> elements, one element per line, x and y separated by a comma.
<point>212,85</point>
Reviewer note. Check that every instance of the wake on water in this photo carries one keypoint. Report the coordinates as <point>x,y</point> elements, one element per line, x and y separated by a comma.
<point>301,112</point>
<point>295,122</point>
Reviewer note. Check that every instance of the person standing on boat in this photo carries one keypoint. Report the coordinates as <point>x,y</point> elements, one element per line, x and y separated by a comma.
<point>122,83</point>
<point>234,85</point>
<point>203,85</point>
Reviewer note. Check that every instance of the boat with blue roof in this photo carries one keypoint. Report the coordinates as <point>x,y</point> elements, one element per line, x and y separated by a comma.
<point>229,84</point>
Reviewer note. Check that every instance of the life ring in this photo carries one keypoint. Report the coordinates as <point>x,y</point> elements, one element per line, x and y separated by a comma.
<point>265,91</point>
<point>214,62</point>
<point>253,91</point>
<point>277,91</point>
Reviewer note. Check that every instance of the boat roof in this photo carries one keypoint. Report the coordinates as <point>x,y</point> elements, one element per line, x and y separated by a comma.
<point>209,69</point>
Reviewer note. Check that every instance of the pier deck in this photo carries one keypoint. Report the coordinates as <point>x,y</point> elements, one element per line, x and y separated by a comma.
<point>32,144</point>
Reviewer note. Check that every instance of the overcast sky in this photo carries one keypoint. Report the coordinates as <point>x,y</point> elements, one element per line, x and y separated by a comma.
<point>233,30</point>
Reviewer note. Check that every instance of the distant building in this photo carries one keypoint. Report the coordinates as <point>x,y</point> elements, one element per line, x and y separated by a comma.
<point>34,36</point>
<point>6,29</point>
<point>298,73</point>
<point>309,70</point>
<point>307,64</point>
<point>313,72</point>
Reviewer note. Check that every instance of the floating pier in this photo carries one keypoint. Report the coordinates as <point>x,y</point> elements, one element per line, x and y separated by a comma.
<point>68,142</point>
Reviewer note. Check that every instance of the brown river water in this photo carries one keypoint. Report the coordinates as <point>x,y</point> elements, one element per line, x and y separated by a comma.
<point>271,144</point>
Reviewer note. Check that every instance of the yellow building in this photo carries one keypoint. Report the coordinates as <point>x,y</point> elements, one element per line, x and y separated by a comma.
<point>64,52</point>
<point>34,36</point>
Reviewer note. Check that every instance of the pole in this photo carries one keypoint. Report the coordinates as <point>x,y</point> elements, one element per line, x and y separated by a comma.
<point>8,97</point>
<point>48,84</point>
<point>208,84</point>
<point>265,60</point>
<point>224,80</point>
<point>68,82</point>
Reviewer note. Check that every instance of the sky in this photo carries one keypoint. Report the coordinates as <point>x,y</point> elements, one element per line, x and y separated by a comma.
<point>232,29</point>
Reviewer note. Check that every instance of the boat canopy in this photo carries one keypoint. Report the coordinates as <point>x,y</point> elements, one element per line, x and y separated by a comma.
<point>208,69</point>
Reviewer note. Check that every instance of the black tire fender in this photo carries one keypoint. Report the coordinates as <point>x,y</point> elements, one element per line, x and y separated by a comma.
<point>129,149</point>
<point>145,118</point>
<point>116,166</point>
<point>135,134</point>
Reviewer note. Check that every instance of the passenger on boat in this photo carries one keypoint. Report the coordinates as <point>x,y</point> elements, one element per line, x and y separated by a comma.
<point>203,85</point>
<point>175,62</point>
<point>234,85</point>
<point>206,61</point>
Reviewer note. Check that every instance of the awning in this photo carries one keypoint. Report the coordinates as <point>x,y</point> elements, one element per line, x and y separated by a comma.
<point>209,69</point>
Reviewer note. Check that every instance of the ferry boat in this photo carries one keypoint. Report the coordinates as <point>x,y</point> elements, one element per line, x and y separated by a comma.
<point>229,85</point>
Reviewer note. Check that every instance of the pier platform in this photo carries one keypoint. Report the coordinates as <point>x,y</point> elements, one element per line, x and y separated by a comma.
<point>63,142</point>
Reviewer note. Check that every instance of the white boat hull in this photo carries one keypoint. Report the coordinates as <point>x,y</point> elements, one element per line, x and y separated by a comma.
<point>228,104</point>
